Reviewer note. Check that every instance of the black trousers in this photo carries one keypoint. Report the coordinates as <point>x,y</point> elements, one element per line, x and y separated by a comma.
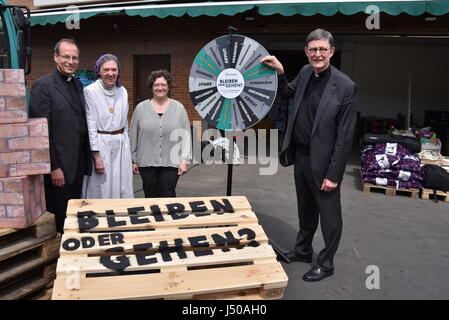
<point>57,198</point>
<point>314,205</point>
<point>159,182</point>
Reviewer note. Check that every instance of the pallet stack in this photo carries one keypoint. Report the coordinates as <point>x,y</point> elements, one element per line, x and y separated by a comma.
<point>24,155</point>
<point>28,259</point>
<point>171,248</point>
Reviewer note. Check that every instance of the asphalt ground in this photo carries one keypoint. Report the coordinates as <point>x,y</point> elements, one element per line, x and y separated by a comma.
<point>392,247</point>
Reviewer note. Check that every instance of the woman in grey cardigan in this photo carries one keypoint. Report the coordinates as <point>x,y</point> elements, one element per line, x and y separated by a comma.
<point>160,138</point>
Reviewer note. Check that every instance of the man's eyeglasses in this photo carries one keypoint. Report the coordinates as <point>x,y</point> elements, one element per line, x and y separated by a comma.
<point>315,50</point>
<point>67,58</point>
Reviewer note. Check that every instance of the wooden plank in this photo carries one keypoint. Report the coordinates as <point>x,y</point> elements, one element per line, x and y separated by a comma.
<point>82,244</point>
<point>390,191</point>
<point>4,232</point>
<point>122,223</point>
<point>43,227</point>
<point>174,284</point>
<point>46,251</point>
<point>246,294</point>
<point>427,194</point>
<point>29,283</point>
<point>121,206</point>
<point>86,265</point>
<point>22,290</point>
<point>20,247</point>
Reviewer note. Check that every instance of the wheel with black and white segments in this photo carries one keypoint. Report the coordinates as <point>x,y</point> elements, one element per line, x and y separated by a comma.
<point>229,86</point>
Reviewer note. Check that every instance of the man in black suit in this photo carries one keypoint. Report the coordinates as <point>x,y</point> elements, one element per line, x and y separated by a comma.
<point>318,141</point>
<point>59,97</point>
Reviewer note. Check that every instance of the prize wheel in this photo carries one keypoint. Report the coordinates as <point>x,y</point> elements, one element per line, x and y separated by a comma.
<point>229,86</point>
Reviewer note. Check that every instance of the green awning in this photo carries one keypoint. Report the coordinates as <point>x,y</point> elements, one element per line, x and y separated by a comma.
<point>414,8</point>
<point>231,8</point>
<point>60,17</point>
<point>212,11</point>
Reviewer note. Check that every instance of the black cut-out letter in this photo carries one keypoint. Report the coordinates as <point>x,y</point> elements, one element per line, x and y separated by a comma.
<point>166,250</point>
<point>156,212</point>
<point>114,223</point>
<point>250,234</point>
<point>135,218</point>
<point>119,263</point>
<point>87,242</point>
<point>71,244</point>
<point>103,240</point>
<point>142,259</point>
<point>174,209</point>
<point>87,220</point>
<point>196,242</point>
<point>221,241</point>
<point>198,206</point>
<point>117,238</point>
<point>226,206</point>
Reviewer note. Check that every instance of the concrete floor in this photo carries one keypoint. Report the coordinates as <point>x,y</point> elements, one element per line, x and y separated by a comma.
<point>406,239</point>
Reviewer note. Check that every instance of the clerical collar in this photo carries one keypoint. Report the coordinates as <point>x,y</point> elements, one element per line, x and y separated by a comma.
<point>64,77</point>
<point>323,73</point>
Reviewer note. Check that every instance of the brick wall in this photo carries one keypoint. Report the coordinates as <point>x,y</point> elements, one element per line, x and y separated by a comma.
<point>134,36</point>
<point>183,37</point>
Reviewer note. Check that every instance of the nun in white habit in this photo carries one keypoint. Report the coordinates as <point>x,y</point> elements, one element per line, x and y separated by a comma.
<point>107,121</point>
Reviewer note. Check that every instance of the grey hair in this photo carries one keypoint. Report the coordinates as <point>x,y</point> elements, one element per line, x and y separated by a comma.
<point>320,34</point>
<point>106,58</point>
<point>58,45</point>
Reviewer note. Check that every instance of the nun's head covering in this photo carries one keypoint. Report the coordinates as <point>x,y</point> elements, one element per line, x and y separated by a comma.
<point>105,58</point>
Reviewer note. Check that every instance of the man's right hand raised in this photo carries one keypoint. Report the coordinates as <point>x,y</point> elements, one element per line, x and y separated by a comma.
<point>57,178</point>
<point>273,63</point>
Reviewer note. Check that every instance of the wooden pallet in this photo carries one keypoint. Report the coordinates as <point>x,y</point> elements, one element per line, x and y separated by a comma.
<point>427,194</point>
<point>43,228</point>
<point>390,191</point>
<point>26,257</point>
<point>175,248</point>
<point>29,283</point>
<point>24,249</point>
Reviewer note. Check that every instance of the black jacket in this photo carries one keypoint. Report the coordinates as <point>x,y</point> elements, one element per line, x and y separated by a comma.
<point>51,99</point>
<point>333,128</point>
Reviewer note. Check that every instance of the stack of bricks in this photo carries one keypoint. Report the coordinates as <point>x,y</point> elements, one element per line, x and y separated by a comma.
<point>24,155</point>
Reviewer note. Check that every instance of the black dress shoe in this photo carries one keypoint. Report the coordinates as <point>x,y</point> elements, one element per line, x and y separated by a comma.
<point>294,256</point>
<point>317,274</point>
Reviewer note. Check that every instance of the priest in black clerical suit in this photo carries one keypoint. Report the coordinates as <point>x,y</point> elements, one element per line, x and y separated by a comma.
<point>318,140</point>
<point>59,97</point>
